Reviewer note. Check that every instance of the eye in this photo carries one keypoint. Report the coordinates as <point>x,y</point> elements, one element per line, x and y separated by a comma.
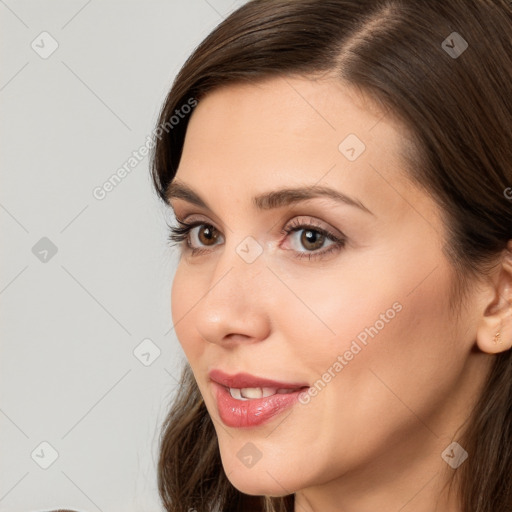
<point>207,235</point>
<point>313,239</point>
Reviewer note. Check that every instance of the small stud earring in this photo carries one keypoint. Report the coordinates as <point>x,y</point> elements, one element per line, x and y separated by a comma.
<point>497,338</point>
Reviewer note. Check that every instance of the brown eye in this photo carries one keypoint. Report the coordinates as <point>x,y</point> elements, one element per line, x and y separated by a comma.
<point>308,240</point>
<point>207,234</point>
<point>312,239</point>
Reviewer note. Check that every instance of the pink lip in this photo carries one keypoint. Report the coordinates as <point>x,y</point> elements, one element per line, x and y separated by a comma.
<point>250,413</point>
<point>246,380</point>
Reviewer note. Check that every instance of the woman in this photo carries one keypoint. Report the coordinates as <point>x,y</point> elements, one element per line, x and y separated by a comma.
<point>340,173</point>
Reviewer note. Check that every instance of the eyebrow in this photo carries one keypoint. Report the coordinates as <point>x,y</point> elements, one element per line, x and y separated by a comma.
<point>270,200</point>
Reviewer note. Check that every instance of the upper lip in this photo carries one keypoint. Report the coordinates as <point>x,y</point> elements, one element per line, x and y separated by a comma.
<point>246,380</point>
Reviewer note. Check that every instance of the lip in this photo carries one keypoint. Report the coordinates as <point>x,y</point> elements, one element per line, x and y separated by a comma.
<point>251,413</point>
<point>246,380</point>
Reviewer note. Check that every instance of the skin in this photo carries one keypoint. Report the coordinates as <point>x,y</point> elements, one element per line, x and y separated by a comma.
<point>372,438</point>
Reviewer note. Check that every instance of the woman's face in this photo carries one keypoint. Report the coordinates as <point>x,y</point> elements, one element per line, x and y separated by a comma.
<point>362,318</point>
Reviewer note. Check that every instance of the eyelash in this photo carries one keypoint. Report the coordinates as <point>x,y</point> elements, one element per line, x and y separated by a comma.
<point>178,235</point>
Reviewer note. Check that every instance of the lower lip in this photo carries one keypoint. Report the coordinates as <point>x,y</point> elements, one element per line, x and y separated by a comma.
<point>251,413</point>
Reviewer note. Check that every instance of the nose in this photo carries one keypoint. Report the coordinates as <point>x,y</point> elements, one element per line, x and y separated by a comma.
<point>235,302</point>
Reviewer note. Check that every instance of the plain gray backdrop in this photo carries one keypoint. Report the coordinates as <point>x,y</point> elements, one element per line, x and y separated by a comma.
<point>89,358</point>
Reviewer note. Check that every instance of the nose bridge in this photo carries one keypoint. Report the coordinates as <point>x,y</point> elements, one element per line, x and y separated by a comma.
<point>236,302</point>
<point>242,266</point>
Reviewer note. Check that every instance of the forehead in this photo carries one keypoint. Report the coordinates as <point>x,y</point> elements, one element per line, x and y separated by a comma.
<point>243,139</point>
<point>295,106</point>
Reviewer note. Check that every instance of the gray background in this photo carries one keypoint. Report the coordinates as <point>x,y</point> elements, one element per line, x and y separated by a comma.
<point>71,321</point>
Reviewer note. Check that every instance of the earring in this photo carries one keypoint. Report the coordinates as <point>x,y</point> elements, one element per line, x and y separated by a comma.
<point>497,338</point>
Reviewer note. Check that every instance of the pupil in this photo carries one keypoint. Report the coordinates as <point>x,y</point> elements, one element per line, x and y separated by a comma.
<point>207,233</point>
<point>311,236</point>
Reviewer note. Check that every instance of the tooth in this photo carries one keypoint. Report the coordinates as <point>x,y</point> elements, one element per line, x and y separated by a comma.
<point>235,393</point>
<point>268,392</point>
<point>251,392</point>
<point>255,393</point>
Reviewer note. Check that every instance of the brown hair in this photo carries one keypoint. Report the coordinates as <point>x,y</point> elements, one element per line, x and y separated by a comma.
<point>457,109</point>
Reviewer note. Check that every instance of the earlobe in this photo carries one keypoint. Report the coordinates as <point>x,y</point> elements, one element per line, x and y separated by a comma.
<point>494,337</point>
<point>494,334</point>
<point>497,338</point>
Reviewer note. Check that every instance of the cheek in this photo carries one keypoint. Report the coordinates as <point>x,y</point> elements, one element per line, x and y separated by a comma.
<point>183,298</point>
<point>373,316</point>
<point>394,344</point>
<point>322,315</point>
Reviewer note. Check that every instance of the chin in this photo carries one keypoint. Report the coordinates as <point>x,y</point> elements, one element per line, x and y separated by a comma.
<point>265,478</point>
<point>257,484</point>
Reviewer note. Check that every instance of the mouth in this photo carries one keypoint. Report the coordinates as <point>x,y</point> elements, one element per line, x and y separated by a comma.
<point>246,380</point>
<point>255,393</point>
<point>245,400</point>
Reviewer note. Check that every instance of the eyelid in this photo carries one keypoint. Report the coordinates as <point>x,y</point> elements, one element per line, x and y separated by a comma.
<point>296,220</point>
<point>311,221</point>
<point>191,219</point>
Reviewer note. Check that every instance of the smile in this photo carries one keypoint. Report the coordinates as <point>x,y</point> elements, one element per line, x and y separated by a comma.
<point>244,400</point>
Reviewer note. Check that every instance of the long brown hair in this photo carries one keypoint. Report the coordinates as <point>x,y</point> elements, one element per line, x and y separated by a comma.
<point>456,104</point>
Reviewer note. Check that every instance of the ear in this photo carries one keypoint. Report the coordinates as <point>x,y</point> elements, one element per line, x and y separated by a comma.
<point>494,333</point>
